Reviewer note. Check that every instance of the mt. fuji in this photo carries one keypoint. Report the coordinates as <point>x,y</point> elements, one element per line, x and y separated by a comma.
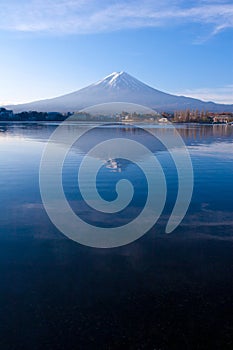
<point>120,87</point>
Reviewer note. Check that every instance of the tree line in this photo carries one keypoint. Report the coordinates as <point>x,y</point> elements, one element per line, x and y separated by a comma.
<point>196,116</point>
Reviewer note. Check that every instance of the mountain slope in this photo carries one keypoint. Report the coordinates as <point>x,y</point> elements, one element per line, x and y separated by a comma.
<point>120,87</point>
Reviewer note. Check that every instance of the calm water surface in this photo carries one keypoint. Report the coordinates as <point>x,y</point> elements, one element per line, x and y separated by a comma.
<point>162,291</point>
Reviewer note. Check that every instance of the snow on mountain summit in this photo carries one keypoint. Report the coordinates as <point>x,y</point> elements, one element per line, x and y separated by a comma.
<point>121,80</point>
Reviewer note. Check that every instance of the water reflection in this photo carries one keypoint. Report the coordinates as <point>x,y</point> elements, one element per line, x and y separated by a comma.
<point>22,145</point>
<point>159,292</point>
<point>189,132</point>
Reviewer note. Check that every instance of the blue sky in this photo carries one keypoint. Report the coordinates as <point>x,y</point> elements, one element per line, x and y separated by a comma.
<point>53,47</point>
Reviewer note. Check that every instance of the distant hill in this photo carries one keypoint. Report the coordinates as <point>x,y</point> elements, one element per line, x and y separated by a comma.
<point>120,87</point>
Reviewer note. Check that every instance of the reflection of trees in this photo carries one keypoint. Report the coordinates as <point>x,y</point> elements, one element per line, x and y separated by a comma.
<point>189,132</point>
<point>206,132</point>
<point>26,130</point>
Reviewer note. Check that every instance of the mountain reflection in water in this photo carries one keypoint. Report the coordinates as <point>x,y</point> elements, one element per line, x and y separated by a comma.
<point>160,292</point>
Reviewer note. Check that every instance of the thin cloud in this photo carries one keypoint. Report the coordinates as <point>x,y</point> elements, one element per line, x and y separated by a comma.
<point>219,95</point>
<point>92,16</point>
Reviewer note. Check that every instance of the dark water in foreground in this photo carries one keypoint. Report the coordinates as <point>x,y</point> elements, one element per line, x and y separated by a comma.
<point>160,292</point>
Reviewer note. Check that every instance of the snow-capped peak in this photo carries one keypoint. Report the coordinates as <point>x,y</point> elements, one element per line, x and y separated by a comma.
<point>119,87</point>
<point>121,80</point>
<point>115,76</point>
<point>109,79</point>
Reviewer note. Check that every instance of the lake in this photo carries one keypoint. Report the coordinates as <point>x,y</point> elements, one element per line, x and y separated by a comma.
<point>162,291</point>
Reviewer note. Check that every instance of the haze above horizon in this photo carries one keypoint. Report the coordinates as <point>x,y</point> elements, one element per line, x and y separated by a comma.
<point>53,48</point>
